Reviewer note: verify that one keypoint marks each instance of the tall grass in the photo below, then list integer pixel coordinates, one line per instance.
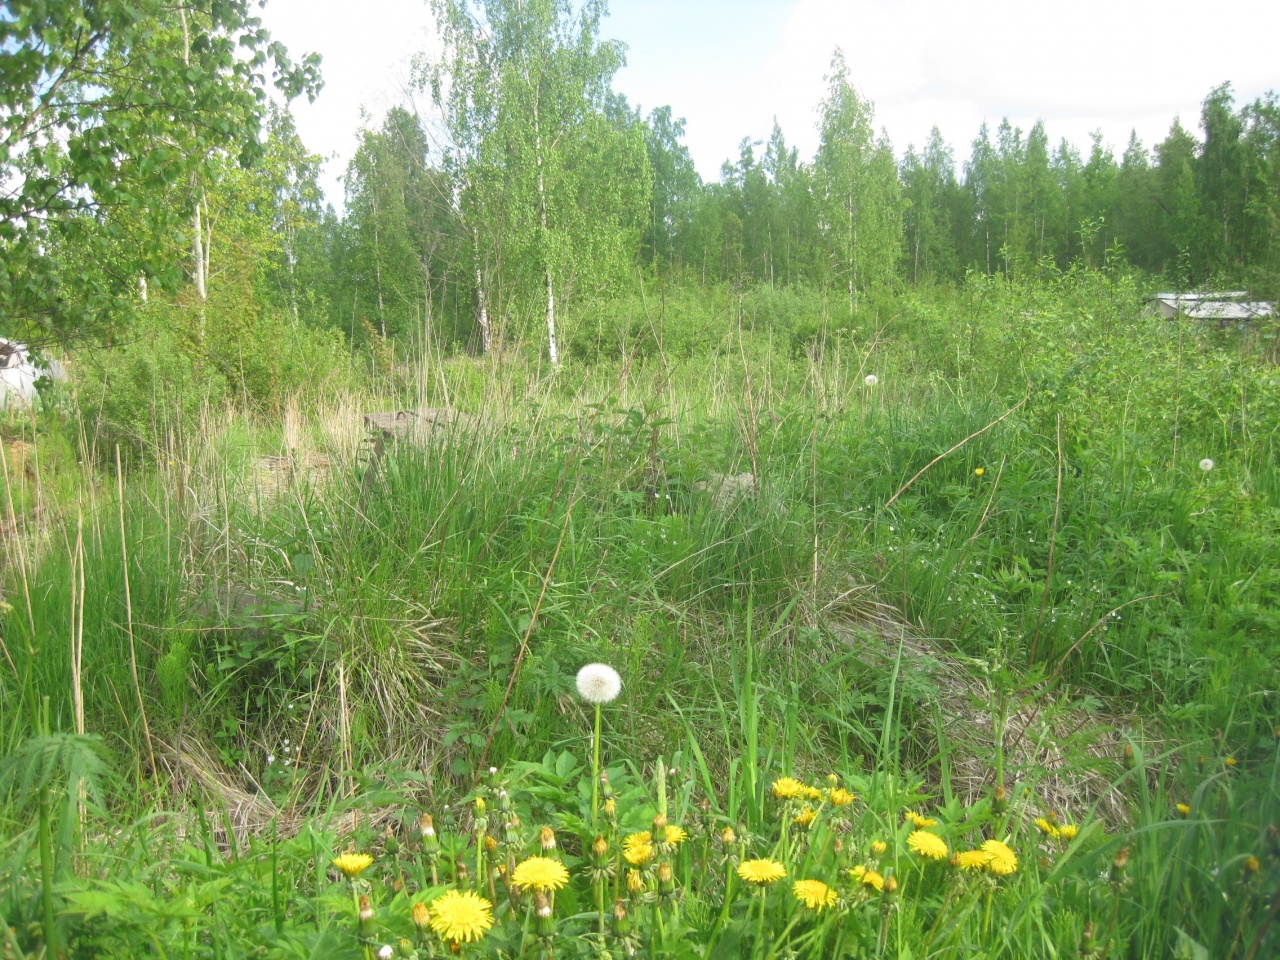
(301, 636)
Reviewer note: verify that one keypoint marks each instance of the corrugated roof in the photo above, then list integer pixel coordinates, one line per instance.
(1213, 306)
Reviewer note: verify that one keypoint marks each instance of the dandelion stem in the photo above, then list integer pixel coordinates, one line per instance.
(759, 928)
(595, 778)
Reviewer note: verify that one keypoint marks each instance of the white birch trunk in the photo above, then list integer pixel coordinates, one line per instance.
(552, 350)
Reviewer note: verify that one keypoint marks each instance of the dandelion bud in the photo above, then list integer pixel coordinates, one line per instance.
(1119, 865)
(405, 948)
(421, 915)
(462, 874)
(838, 846)
(1200, 762)
(999, 799)
(1129, 761)
(635, 882)
(878, 848)
(547, 839)
(666, 879)
(1251, 867)
(490, 844)
(1230, 762)
(542, 910)
(504, 801)
(621, 920)
(659, 824)
(729, 838)
(600, 847)
(366, 909)
(390, 843)
(1087, 947)
(511, 830)
(480, 806)
(430, 842)
(889, 893)
(386, 952)
(610, 809)
(833, 781)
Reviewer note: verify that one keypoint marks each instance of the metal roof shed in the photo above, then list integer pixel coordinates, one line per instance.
(1226, 307)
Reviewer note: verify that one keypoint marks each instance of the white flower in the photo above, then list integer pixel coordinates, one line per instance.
(598, 683)
(385, 952)
(871, 380)
(1206, 464)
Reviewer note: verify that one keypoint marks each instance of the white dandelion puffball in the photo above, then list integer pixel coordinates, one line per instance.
(871, 380)
(598, 683)
(1206, 464)
(386, 953)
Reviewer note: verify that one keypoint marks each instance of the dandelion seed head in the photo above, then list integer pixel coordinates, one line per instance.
(870, 379)
(1206, 464)
(598, 683)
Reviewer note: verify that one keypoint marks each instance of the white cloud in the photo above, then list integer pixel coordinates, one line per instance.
(366, 57)
(1093, 64)
(731, 66)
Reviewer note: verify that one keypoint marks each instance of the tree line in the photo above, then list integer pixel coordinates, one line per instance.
(151, 168)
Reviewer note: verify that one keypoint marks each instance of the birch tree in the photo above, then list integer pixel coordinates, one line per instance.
(551, 183)
(858, 190)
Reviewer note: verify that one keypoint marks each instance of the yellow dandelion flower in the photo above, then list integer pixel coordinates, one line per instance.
(638, 848)
(1068, 831)
(635, 882)
(878, 848)
(812, 793)
(676, 834)
(980, 471)
(972, 859)
(788, 788)
(460, 917)
(928, 845)
(1184, 810)
(1002, 860)
(540, 873)
(353, 864)
(840, 797)
(918, 821)
(872, 880)
(814, 894)
(806, 816)
(761, 873)
(1230, 761)
(1047, 828)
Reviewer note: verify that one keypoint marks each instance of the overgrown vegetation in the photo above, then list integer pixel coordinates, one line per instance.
(307, 677)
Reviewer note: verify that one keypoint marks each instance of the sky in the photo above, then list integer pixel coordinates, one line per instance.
(731, 67)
